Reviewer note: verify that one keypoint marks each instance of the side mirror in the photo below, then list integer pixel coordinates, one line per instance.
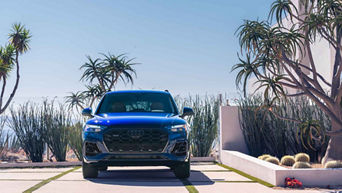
(187, 111)
(87, 112)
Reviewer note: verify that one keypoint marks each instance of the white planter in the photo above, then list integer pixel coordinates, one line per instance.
(276, 175)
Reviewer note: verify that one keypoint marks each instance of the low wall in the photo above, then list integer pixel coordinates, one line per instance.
(276, 175)
(231, 137)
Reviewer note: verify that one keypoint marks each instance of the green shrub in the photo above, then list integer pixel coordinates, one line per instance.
(56, 123)
(287, 160)
(27, 123)
(266, 133)
(264, 156)
(302, 157)
(333, 164)
(301, 165)
(75, 139)
(203, 124)
(273, 160)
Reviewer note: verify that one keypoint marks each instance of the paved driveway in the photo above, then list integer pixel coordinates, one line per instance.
(207, 178)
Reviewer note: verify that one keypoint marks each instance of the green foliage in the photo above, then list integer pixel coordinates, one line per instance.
(4, 138)
(333, 164)
(301, 165)
(27, 123)
(56, 123)
(19, 39)
(273, 160)
(203, 124)
(265, 132)
(264, 156)
(287, 160)
(101, 75)
(75, 139)
(302, 157)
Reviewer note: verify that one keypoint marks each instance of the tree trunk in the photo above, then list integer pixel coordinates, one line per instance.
(334, 150)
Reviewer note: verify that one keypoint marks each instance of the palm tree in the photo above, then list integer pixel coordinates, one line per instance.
(75, 100)
(94, 71)
(118, 67)
(273, 64)
(6, 66)
(19, 39)
(92, 93)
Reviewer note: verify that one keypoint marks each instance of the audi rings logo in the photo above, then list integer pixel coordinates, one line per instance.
(135, 134)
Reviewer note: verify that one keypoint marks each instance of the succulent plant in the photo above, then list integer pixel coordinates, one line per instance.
(333, 164)
(273, 160)
(287, 160)
(302, 157)
(301, 165)
(264, 156)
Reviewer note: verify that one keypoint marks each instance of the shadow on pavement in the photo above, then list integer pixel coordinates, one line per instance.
(157, 177)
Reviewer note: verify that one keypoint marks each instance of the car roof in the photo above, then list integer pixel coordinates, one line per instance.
(138, 91)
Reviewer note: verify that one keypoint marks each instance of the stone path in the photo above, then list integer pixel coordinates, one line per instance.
(207, 178)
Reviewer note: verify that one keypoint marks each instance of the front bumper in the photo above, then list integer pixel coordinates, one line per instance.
(167, 157)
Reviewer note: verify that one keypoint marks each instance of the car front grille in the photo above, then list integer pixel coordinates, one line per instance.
(135, 140)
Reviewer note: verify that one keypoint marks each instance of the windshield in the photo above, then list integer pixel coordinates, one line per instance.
(137, 102)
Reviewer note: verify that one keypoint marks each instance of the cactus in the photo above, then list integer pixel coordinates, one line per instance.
(287, 160)
(333, 164)
(264, 156)
(302, 157)
(273, 160)
(301, 165)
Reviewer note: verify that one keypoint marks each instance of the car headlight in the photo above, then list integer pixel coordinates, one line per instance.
(178, 128)
(93, 128)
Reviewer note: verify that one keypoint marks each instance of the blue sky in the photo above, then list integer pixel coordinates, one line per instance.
(187, 47)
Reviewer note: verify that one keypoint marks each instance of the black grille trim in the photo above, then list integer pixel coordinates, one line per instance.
(135, 140)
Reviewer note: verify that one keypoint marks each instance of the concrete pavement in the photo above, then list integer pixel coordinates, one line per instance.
(207, 178)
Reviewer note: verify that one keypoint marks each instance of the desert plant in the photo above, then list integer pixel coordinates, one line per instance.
(27, 123)
(75, 139)
(19, 39)
(56, 123)
(273, 160)
(203, 124)
(301, 165)
(302, 157)
(266, 133)
(287, 160)
(279, 56)
(333, 164)
(264, 156)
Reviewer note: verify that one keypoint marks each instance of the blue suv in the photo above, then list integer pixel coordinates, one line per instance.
(136, 128)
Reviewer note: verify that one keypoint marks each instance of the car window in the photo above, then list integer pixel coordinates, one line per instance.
(136, 102)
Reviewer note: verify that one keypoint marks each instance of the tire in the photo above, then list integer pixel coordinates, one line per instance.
(182, 170)
(89, 171)
(102, 168)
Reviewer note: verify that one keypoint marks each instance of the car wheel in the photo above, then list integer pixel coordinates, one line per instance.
(182, 170)
(89, 171)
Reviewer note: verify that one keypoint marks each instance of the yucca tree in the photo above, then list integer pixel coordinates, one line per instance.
(272, 51)
(19, 39)
(75, 100)
(101, 76)
(118, 67)
(93, 70)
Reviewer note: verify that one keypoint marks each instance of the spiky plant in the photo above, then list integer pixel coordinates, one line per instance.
(27, 123)
(287, 160)
(273, 160)
(75, 138)
(302, 157)
(301, 165)
(56, 123)
(264, 156)
(333, 164)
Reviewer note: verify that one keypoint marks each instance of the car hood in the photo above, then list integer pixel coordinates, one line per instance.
(138, 119)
